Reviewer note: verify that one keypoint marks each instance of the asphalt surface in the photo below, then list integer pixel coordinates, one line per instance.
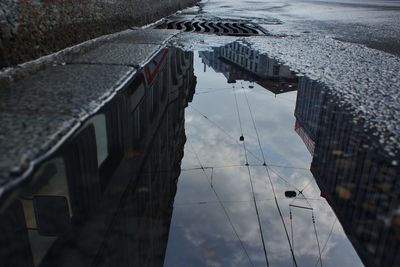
(38, 111)
(373, 23)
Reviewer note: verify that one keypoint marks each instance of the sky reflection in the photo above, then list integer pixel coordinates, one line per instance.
(201, 233)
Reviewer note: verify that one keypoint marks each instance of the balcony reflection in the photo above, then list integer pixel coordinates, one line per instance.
(105, 198)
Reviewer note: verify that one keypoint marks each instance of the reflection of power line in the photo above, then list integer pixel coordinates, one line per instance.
(312, 218)
(221, 203)
(253, 165)
(268, 169)
(234, 201)
(254, 125)
(270, 180)
(329, 236)
(316, 236)
(210, 90)
(246, 150)
(251, 181)
(283, 179)
(222, 129)
(237, 142)
(314, 226)
(213, 89)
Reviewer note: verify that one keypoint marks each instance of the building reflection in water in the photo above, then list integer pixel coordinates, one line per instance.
(236, 61)
(105, 198)
(360, 182)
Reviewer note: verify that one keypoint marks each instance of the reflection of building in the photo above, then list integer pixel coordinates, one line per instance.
(356, 177)
(105, 197)
(237, 61)
(309, 103)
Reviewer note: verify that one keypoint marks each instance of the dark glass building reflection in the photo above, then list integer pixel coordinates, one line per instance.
(105, 198)
(356, 176)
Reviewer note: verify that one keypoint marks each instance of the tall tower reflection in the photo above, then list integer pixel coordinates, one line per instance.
(105, 198)
(356, 176)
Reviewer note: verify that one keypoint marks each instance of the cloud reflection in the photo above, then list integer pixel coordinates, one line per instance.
(200, 233)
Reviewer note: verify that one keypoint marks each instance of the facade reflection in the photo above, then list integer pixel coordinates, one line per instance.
(236, 61)
(105, 197)
(359, 181)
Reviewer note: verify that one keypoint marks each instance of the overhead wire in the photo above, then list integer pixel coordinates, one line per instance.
(283, 179)
(223, 130)
(270, 180)
(221, 204)
(313, 221)
(316, 236)
(234, 139)
(267, 167)
(326, 242)
(254, 125)
(291, 228)
(291, 244)
(237, 111)
(210, 91)
(225, 201)
(251, 183)
(240, 165)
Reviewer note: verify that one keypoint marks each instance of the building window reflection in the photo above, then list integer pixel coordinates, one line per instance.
(53, 182)
(105, 191)
(100, 128)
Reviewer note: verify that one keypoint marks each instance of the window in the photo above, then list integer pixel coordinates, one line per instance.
(99, 123)
(136, 123)
(51, 180)
(276, 70)
(139, 123)
(164, 84)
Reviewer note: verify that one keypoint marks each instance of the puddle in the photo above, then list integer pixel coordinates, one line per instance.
(171, 173)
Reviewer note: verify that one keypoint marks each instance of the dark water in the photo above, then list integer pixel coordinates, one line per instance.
(199, 166)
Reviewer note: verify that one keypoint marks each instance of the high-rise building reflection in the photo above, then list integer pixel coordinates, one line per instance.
(356, 176)
(105, 197)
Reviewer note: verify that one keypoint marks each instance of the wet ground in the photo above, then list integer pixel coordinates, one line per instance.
(221, 155)
(373, 23)
(207, 162)
(215, 222)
